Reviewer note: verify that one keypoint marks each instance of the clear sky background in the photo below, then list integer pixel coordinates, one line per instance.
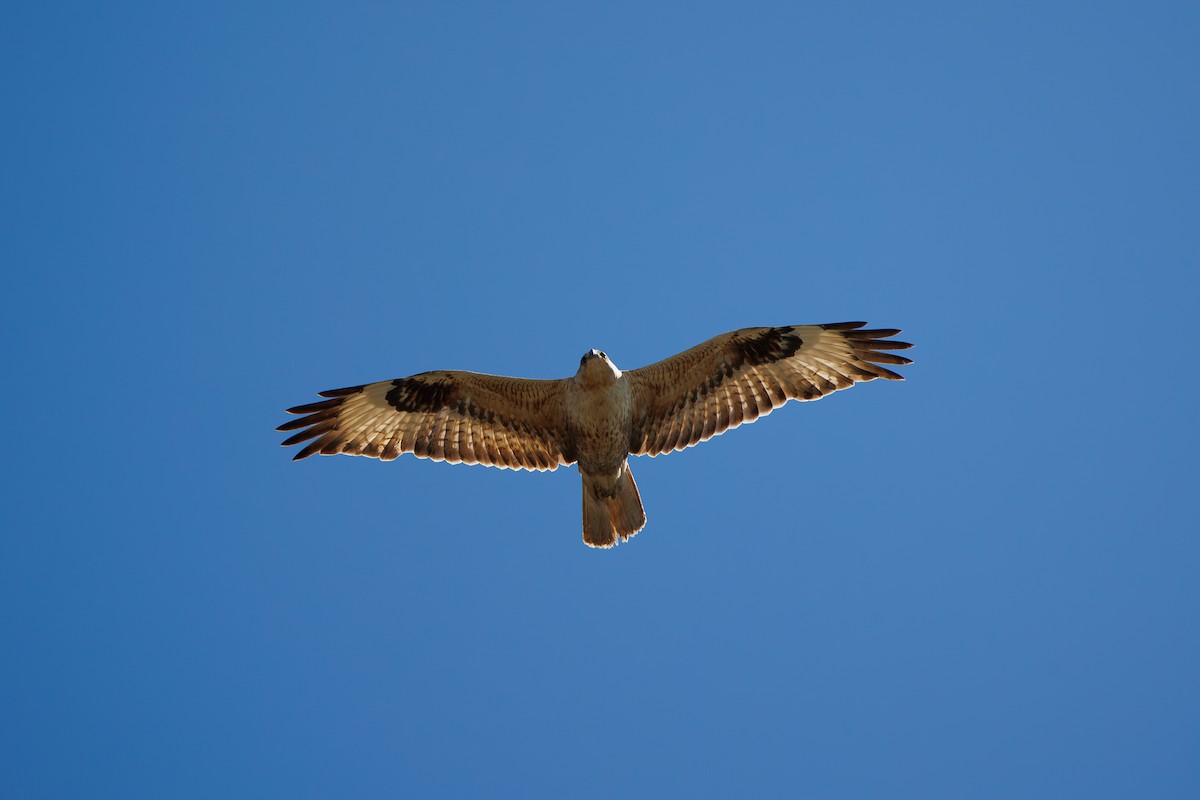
(978, 583)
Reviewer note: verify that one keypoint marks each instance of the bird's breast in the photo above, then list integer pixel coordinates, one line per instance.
(600, 420)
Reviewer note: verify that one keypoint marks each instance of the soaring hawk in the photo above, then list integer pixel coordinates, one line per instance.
(599, 416)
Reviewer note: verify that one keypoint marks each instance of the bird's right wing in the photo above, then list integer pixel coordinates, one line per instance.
(740, 376)
(460, 417)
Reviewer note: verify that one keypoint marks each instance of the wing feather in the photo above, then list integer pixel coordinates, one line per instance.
(450, 416)
(740, 376)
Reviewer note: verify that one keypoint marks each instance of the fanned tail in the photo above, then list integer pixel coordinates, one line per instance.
(608, 515)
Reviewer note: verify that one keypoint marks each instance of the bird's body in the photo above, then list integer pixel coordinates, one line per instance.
(599, 402)
(601, 415)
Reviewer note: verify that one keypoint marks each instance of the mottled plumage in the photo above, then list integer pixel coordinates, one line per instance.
(601, 415)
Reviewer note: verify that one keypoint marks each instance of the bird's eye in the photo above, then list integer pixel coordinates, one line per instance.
(602, 355)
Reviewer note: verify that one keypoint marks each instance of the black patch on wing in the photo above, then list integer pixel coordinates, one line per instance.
(417, 394)
(771, 345)
(429, 395)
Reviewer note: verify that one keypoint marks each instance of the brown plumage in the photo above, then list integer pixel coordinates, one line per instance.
(601, 415)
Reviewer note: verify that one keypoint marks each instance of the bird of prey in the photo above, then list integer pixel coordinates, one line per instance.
(601, 415)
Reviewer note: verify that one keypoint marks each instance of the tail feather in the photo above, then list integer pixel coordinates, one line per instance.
(608, 516)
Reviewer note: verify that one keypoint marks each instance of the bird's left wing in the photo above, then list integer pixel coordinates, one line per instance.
(460, 417)
(739, 376)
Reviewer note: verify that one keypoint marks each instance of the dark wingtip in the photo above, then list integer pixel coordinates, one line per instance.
(873, 333)
(886, 373)
(341, 392)
(842, 326)
(312, 408)
(319, 429)
(888, 344)
(310, 448)
(886, 358)
(320, 418)
(294, 424)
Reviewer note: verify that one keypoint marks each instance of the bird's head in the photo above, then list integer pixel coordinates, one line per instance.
(595, 368)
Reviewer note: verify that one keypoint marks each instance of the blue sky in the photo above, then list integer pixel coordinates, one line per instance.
(978, 583)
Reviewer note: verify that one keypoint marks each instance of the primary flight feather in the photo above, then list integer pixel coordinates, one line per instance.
(601, 415)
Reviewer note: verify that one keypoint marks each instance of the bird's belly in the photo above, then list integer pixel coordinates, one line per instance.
(601, 422)
(602, 451)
